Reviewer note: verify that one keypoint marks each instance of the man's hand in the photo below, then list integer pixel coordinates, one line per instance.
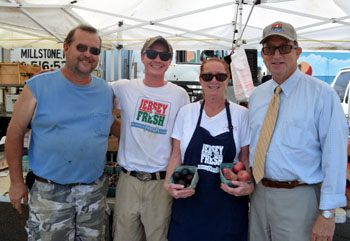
(17, 193)
(323, 229)
(242, 188)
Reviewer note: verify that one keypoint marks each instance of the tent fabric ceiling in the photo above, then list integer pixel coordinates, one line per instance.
(188, 24)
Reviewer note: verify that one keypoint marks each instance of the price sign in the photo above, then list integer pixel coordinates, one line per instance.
(45, 58)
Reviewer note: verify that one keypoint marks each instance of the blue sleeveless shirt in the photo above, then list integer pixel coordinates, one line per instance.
(70, 128)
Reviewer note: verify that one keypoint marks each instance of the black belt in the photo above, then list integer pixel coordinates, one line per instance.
(40, 179)
(146, 176)
(286, 184)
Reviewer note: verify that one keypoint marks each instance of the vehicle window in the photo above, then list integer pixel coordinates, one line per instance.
(197, 56)
(341, 84)
(187, 57)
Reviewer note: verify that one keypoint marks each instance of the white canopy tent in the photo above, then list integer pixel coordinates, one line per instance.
(188, 24)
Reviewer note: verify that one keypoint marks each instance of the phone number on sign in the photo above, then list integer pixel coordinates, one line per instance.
(56, 64)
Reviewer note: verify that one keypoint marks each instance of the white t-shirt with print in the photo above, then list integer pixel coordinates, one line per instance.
(147, 116)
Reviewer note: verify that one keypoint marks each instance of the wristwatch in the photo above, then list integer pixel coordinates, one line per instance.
(328, 214)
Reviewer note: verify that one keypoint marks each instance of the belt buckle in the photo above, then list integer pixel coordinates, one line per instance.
(143, 176)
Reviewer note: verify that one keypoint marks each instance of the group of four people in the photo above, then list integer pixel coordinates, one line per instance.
(70, 113)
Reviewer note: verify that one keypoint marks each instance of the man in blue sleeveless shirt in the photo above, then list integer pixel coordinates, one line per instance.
(70, 113)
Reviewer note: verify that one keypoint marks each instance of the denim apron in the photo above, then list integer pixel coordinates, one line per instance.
(210, 214)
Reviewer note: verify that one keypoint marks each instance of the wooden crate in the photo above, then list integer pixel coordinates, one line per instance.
(9, 73)
(16, 73)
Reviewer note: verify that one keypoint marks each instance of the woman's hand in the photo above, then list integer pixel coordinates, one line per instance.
(242, 188)
(177, 190)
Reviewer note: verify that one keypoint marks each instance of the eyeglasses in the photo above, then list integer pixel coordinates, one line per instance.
(284, 49)
(152, 54)
(219, 77)
(93, 50)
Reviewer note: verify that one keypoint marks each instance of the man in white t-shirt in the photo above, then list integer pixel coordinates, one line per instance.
(148, 109)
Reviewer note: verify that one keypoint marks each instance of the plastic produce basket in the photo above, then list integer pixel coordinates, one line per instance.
(222, 178)
(193, 170)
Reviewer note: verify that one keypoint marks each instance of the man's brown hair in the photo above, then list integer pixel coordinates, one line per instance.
(83, 27)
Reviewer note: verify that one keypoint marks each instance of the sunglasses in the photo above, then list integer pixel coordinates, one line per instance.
(284, 49)
(219, 77)
(152, 54)
(93, 50)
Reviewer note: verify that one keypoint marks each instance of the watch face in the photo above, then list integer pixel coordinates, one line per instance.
(328, 214)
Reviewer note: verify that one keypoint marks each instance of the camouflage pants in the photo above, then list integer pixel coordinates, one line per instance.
(62, 213)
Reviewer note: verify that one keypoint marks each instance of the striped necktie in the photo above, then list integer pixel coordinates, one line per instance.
(265, 136)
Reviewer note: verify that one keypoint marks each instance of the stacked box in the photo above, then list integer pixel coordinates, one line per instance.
(16, 73)
(28, 71)
(113, 171)
(113, 144)
(9, 73)
(25, 164)
(10, 101)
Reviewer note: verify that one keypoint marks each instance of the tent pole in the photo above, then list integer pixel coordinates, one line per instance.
(38, 23)
(112, 64)
(119, 64)
(240, 13)
(235, 25)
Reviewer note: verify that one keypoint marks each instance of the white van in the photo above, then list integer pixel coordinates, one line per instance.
(342, 87)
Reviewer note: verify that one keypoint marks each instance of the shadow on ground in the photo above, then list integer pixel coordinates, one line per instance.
(12, 225)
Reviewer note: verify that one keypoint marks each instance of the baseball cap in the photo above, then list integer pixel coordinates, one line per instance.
(157, 39)
(279, 28)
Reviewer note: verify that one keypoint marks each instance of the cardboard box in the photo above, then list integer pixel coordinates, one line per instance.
(113, 144)
(10, 101)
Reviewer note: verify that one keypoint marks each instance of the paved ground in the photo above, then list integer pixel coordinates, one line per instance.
(12, 225)
(342, 231)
